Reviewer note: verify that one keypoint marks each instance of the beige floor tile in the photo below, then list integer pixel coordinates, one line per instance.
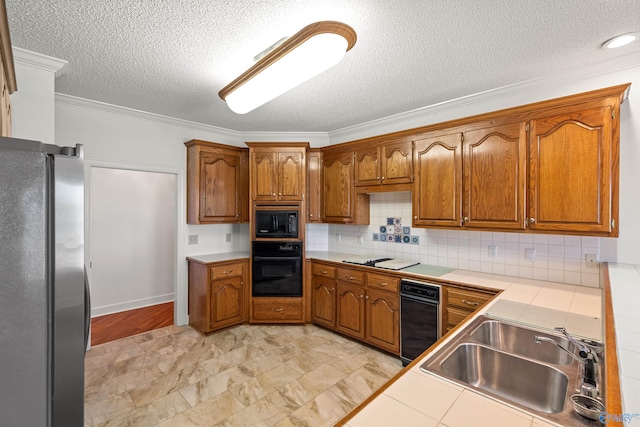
(323, 410)
(144, 393)
(99, 412)
(207, 413)
(320, 379)
(151, 414)
(259, 414)
(214, 385)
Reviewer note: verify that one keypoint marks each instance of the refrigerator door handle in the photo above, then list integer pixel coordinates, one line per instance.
(87, 311)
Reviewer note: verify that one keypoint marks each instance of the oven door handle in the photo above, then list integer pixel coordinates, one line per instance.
(276, 258)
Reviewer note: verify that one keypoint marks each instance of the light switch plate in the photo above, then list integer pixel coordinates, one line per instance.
(530, 254)
(193, 239)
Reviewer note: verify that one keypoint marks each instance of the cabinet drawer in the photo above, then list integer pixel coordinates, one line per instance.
(324, 271)
(383, 282)
(274, 310)
(351, 276)
(464, 299)
(227, 270)
(456, 315)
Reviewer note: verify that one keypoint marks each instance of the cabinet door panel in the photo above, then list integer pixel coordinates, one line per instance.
(437, 194)
(575, 198)
(219, 181)
(383, 320)
(263, 175)
(397, 163)
(367, 167)
(313, 186)
(337, 187)
(350, 313)
(494, 177)
(227, 301)
(324, 302)
(291, 169)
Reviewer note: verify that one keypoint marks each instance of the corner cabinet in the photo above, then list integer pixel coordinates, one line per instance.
(217, 183)
(218, 294)
(340, 203)
(278, 173)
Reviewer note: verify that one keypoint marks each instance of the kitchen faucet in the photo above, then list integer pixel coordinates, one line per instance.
(588, 361)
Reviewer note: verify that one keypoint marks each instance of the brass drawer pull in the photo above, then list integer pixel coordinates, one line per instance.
(473, 303)
(382, 283)
(278, 309)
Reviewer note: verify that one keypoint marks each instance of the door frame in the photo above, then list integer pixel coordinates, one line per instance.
(180, 316)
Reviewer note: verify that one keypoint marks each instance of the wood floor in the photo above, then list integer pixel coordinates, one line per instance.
(132, 322)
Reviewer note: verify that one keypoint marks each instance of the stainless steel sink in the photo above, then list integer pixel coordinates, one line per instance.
(520, 340)
(501, 360)
(536, 386)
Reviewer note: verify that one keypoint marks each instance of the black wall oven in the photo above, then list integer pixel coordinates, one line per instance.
(277, 269)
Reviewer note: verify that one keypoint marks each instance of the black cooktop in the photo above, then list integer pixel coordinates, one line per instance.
(369, 263)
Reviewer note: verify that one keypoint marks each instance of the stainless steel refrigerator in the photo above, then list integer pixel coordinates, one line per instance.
(44, 306)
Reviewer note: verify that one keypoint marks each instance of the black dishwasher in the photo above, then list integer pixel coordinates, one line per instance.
(420, 318)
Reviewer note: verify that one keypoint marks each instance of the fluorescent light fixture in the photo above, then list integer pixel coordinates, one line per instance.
(312, 50)
(620, 41)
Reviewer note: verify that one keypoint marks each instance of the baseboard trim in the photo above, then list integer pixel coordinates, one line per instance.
(131, 305)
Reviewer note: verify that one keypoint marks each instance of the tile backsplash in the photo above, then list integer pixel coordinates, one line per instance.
(555, 258)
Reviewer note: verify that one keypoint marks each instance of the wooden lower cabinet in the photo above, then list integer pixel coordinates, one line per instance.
(364, 306)
(461, 303)
(383, 320)
(350, 310)
(277, 310)
(217, 294)
(323, 308)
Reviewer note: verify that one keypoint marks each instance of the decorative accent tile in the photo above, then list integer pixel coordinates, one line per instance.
(415, 240)
(390, 221)
(383, 229)
(390, 237)
(398, 231)
(398, 221)
(406, 239)
(398, 238)
(406, 230)
(376, 237)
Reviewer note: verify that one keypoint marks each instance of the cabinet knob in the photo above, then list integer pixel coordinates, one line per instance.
(273, 194)
(333, 289)
(278, 309)
(465, 219)
(279, 194)
(361, 296)
(311, 215)
(383, 178)
(377, 177)
(415, 217)
(367, 297)
(532, 220)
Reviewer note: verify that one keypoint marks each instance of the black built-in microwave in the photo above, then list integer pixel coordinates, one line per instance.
(276, 223)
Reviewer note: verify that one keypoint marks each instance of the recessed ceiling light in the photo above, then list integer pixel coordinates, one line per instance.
(620, 41)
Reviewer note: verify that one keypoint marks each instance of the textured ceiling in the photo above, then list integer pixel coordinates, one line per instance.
(171, 57)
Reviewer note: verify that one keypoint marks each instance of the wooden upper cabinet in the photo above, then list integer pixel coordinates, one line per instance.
(397, 162)
(277, 173)
(314, 161)
(494, 177)
(216, 187)
(367, 166)
(437, 195)
(387, 164)
(263, 173)
(337, 187)
(573, 163)
(7, 73)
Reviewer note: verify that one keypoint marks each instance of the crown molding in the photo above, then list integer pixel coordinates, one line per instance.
(38, 60)
(89, 104)
(317, 139)
(521, 93)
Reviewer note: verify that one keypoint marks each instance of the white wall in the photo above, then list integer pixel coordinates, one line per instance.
(33, 104)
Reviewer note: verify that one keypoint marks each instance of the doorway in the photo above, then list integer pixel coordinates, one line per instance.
(133, 238)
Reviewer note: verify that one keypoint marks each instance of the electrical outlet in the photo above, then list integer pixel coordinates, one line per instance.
(493, 251)
(193, 239)
(227, 238)
(361, 239)
(530, 254)
(338, 237)
(591, 260)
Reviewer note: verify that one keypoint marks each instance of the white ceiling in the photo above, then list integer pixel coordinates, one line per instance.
(171, 57)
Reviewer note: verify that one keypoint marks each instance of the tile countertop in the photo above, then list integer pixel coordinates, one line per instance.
(205, 259)
(419, 398)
